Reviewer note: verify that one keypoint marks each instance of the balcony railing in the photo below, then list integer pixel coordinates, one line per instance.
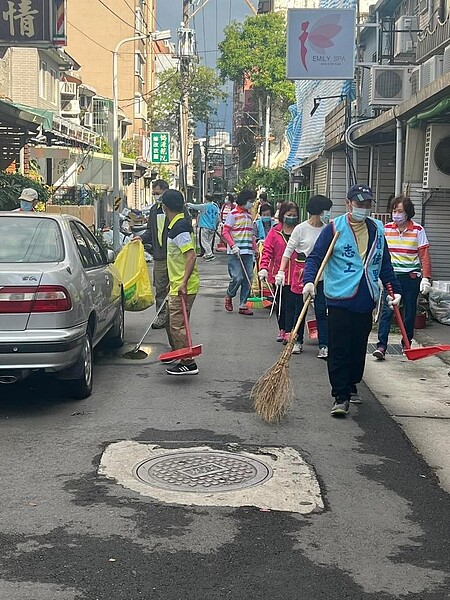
(68, 89)
(433, 40)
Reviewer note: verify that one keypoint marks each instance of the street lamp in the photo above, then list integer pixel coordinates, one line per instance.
(154, 37)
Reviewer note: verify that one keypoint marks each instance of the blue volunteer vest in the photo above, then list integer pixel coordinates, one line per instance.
(345, 268)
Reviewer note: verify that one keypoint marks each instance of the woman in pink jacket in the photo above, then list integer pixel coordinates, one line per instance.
(290, 293)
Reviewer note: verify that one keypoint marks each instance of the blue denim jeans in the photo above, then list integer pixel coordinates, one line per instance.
(320, 309)
(410, 293)
(238, 278)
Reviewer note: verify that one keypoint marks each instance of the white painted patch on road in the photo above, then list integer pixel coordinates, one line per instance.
(293, 486)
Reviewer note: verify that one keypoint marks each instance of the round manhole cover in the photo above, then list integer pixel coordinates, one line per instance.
(203, 472)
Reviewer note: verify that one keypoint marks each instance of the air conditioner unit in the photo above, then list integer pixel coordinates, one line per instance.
(430, 70)
(436, 166)
(68, 88)
(415, 80)
(406, 29)
(88, 119)
(389, 85)
(446, 61)
(71, 108)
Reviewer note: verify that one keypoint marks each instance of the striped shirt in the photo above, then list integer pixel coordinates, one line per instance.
(404, 246)
(240, 226)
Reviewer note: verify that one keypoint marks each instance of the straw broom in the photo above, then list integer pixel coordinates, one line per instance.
(273, 393)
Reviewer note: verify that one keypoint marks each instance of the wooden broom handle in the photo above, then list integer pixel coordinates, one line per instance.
(316, 282)
(398, 316)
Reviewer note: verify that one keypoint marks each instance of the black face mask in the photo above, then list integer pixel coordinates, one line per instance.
(290, 220)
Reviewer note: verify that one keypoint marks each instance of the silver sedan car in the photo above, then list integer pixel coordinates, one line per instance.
(60, 296)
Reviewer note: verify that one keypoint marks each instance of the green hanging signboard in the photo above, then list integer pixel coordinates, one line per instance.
(160, 147)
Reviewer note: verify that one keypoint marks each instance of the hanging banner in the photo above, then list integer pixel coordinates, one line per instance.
(32, 23)
(321, 43)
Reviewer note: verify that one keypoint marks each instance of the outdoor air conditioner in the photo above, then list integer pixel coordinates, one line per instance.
(415, 80)
(430, 70)
(446, 61)
(436, 166)
(406, 29)
(71, 108)
(88, 119)
(68, 88)
(389, 85)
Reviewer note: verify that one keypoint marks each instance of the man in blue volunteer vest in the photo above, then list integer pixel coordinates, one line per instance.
(359, 259)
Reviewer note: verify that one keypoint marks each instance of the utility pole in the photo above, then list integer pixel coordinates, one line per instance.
(206, 190)
(184, 53)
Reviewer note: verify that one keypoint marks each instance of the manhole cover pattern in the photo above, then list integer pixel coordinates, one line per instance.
(203, 472)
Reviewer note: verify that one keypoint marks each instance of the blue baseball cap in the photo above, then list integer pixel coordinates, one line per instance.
(360, 193)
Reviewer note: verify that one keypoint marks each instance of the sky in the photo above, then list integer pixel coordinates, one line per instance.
(209, 25)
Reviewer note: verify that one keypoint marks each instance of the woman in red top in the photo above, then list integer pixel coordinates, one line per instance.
(274, 247)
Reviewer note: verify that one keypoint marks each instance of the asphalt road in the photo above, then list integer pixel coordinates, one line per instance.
(383, 533)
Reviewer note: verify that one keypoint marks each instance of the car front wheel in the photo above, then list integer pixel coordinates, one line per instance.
(81, 387)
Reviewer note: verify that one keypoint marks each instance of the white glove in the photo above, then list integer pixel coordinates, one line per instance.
(309, 290)
(263, 274)
(425, 286)
(235, 250)
(280, 278)
(393, 301)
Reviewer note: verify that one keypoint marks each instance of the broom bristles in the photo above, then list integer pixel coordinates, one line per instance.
(272, 394)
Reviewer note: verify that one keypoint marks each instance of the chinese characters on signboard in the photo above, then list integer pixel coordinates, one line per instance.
(32, 23)
(321, 43)
(160, 147)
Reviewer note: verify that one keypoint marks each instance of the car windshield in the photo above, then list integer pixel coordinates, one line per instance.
(30, 240)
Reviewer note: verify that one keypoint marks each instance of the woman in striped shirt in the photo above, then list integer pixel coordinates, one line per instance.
(409, 250)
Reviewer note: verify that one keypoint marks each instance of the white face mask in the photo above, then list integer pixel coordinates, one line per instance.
(360, 214)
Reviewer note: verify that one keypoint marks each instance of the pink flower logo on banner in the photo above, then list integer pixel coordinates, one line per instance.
(319, 39)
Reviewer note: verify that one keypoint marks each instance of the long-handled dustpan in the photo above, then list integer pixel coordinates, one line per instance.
(413, 353)
(183, 353)
(160, 309)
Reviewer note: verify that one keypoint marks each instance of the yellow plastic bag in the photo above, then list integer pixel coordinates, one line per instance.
(130, 263)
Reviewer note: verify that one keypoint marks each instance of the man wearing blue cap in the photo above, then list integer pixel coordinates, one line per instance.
(359, 258)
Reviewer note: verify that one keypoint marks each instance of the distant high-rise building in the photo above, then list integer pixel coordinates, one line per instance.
(94, 29)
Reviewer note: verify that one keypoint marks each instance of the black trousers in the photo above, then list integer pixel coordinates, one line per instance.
(348, 333)
(291, 305)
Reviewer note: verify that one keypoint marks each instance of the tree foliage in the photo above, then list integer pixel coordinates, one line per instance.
(276, 181)
(11, 186)
(256, 50)
(205, 91)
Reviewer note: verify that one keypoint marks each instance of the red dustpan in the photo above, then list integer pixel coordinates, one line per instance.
(191, 350)
(413, 353)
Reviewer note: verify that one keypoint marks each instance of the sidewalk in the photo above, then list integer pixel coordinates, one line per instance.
(416, 394)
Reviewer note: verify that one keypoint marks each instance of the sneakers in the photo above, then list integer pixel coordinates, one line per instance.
(340, 408)
(323, 353)
(297, 349)
(243, 310)
(181, 369)
(280, 336)
(379, 353)
(228, 304)
(160, 322)
(287, 335)
(209, 258)
(355, 398)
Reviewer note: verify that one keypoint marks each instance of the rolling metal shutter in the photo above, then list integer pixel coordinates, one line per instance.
(321, 177)
(436, 220)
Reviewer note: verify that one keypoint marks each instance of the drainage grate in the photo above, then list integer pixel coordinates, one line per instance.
(394, 349)
(203, 471)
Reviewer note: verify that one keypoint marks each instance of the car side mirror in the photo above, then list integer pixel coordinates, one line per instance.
(110, 256)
